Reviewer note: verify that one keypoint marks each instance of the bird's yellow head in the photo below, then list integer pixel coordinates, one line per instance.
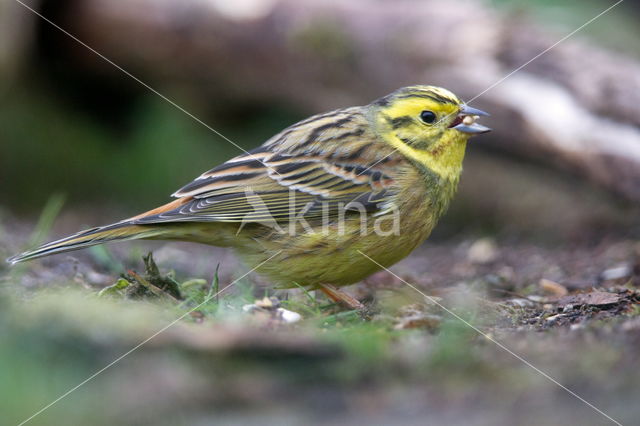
(428, 124)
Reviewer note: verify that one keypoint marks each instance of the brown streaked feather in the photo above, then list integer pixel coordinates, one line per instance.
(312, 162)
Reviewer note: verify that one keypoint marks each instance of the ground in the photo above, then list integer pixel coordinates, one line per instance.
(507, 330)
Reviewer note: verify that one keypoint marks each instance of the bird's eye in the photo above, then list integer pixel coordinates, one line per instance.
(428, 116)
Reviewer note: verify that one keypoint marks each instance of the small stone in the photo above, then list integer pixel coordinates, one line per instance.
(622, 271)
(522, 303)
(268, 311)
(288, 316)
(483, 251)
(267, 303)
(552, 288)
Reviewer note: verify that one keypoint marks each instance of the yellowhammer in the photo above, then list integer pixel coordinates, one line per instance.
(370, 179)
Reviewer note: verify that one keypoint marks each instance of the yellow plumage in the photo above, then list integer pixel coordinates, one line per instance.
(373, 179)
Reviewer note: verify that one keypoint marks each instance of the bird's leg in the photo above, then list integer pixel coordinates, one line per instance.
(341, 297)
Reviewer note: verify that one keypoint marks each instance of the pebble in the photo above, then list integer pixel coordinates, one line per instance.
(552, 287)
(622, 271)
(271, 307)
(482, 251)
(523, 303)
(289, 316)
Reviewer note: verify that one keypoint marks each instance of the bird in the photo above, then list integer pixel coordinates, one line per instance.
(326, 202)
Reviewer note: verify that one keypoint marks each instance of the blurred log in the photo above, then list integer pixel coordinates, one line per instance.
(577, 107)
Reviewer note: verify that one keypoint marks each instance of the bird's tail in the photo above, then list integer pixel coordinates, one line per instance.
(116, 232)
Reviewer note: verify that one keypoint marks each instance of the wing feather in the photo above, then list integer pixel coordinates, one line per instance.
(318, 166)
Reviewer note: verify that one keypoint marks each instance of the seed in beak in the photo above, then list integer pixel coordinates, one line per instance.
(468, 120)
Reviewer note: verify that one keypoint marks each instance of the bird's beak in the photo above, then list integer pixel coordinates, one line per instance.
(466, 121)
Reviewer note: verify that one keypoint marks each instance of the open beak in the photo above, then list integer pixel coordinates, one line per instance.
(466, 121)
